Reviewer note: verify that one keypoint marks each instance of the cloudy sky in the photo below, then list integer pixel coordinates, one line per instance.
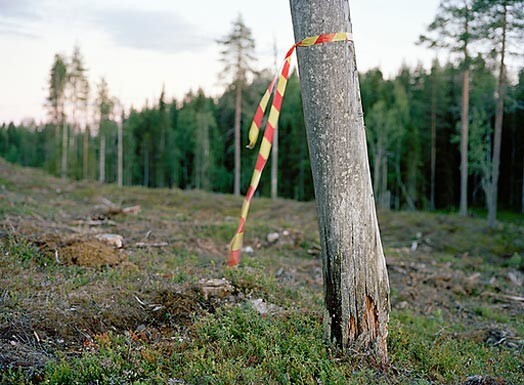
(138, 45)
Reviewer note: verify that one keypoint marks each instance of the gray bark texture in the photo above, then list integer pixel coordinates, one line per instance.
(356, 286)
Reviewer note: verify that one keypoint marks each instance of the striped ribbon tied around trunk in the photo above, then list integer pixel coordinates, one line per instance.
(235, 246)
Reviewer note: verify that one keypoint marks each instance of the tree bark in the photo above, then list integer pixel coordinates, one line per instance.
(238, 113)
(499, 113)
(356, 287)
(464, 144)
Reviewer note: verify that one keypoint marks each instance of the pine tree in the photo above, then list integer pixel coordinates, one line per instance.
(237, 57)
(502, 22)
(56, 101)
(78, 87)
(452, 30)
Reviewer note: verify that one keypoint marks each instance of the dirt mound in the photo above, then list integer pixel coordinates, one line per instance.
(178, 307)
(90, 254)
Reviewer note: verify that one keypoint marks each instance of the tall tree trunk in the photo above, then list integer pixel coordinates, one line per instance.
(85, 154)
(120, 166)
(238, 113)
(464, 144)
(433, 141)
(64, 149)
(102, 164)
(356, 287)
(499, 113)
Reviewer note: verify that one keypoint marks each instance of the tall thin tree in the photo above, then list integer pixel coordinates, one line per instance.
(433, 160)
(56, 100)
(78, 98)
(237, 57)
(501, 21)
(356, 287)
(451, 29)
(105, 106)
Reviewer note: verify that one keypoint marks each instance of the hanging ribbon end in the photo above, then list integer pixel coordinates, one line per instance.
(235, 248)
(253, 134)
(234, 258)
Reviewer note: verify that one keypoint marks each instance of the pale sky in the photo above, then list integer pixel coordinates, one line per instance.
(140, 45)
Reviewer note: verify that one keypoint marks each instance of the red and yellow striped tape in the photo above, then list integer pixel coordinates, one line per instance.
(235, 246)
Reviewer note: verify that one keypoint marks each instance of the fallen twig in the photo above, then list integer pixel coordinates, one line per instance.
(94, 222)
(151, 244)
(131, 209)
(504, 297)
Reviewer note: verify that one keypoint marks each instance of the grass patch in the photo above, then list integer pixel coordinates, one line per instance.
(435, 350)
(144, 321)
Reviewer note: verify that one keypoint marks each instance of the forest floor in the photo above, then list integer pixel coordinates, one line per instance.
(164, 308)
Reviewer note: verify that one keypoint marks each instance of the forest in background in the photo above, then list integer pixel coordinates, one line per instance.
(412, 120)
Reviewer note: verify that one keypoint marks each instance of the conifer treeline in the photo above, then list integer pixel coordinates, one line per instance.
(190, 144)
